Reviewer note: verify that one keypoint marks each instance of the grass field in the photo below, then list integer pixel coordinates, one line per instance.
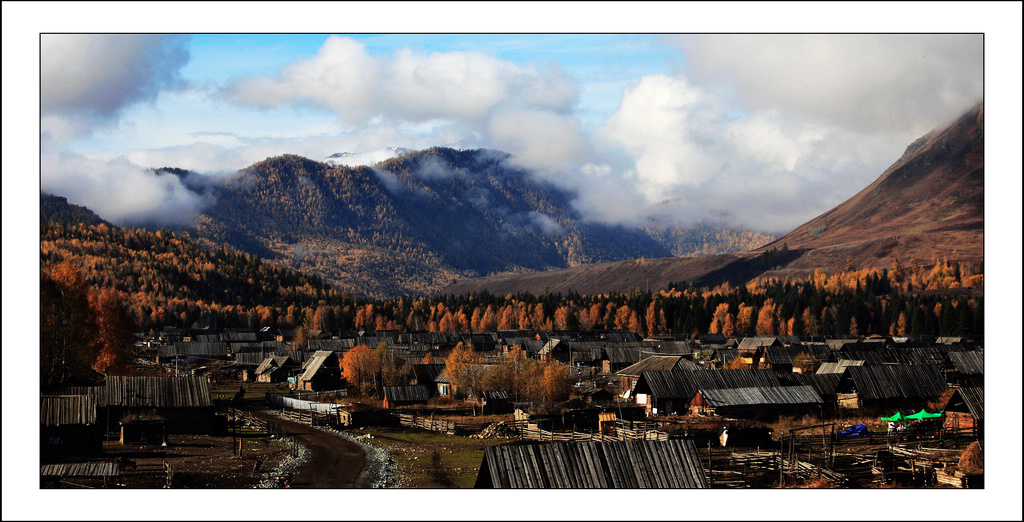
(432, 460)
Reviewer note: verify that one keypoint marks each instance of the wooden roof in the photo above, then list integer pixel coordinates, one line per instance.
(968, 363)
(786, 354)
(767, 396)
(315, 363)
(969, 398)
(274, 362)
(586, 465)
(62, 410)
(654, 363)
(80, 469)
(824, 384)
(683, 384)
(406, 393)
(195, 348)
(897, 381)
(838, 367)
(188, 391)
(753, 343)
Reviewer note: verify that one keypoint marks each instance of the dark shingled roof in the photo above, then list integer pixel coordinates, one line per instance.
(683, 384)
(587, 465)
(654, 363)
(154, 391)
(62, 410)
(824, 384)
(897, 381)
(769, 396)
(406, 393)
(971, 398)
(968, 363)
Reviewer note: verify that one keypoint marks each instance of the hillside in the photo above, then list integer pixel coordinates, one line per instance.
(927, 206)
(931, 202)
(165, 279)
(411, 224)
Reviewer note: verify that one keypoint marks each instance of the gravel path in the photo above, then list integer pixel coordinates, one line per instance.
(330, 461)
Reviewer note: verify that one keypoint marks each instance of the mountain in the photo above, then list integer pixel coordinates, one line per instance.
(927, 207)
(58, 210)
(411, 224)
(931, 202)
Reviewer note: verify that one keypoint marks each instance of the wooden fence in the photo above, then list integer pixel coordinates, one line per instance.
(624, 430)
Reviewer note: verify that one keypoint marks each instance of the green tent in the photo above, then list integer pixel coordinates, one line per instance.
(924, 415)
(895, 418)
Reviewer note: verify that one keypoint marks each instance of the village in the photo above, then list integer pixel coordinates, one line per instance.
(623, 412)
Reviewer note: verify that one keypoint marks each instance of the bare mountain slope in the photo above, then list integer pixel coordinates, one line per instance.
(929, 203)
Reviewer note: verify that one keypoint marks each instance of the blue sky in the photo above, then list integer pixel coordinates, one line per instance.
(725, 128)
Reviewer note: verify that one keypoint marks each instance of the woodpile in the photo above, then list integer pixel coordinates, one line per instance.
(498, 430)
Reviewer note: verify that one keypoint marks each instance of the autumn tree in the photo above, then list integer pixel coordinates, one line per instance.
(360, 367)
(463, 370)
(68, 330)
(116, 341)
(556, 382)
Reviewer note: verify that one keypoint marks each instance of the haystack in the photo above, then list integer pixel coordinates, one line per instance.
(972, 458)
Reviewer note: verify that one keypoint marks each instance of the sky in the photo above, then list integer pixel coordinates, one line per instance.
(763, 131)
(761, 115)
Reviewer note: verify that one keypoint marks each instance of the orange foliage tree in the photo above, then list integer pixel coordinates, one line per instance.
(359, 366)
(463, 370)
(117, 352)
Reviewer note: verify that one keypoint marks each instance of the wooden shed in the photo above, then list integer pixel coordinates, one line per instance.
(586, 465)
(68, 426)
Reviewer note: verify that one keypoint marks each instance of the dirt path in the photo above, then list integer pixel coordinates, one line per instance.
(333, 461)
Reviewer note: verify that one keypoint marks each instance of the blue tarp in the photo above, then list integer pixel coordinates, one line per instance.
(857, 430)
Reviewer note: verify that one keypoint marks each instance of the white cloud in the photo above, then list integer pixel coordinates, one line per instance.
(118, 190)
(539, 139)
(861, 82)
(87, 79)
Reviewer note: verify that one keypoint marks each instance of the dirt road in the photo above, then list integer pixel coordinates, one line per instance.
(333, 461)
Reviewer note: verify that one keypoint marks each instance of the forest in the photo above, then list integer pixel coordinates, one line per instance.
(164, 280)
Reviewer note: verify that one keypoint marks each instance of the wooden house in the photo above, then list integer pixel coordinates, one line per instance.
(670, 392)
(880, 389)
(395, 396)
(656, 363)
(763, 403)
(426, 375)
(781, 358)
(671, 464)
(277, 368)
(321, 372)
